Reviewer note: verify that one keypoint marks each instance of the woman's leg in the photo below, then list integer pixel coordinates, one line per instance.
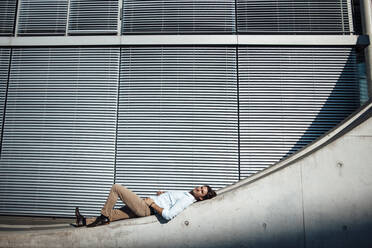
(122, 213)
(137, 205)
(116, 214)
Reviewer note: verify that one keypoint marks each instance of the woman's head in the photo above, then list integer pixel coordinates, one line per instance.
(203, 193)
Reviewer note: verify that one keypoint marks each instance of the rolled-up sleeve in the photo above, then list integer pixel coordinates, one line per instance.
(177, 208)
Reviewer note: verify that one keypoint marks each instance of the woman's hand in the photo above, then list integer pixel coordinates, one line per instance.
(148, 201)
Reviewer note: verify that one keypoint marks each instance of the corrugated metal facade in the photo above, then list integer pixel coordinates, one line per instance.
(42, 17)
(178, 118)
(178, 16)
(93, 17)
(7, 15)
(58, 146)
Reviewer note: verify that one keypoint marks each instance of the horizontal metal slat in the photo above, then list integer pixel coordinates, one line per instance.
(4, 67)
(93, 17)
(181, 16)
(7, 15)
(294, 16)
(42, 17)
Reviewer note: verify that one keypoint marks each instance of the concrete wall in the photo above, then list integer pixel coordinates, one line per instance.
(319, 197)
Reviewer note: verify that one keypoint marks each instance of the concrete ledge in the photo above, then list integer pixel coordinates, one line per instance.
(129, 40)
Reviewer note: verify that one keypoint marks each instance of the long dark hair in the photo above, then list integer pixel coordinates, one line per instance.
(211, 193)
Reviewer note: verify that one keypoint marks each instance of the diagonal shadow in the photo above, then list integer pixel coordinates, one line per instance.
(343, 100)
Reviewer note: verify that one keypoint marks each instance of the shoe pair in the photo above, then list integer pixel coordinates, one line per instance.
(82, 221)
(101, 220)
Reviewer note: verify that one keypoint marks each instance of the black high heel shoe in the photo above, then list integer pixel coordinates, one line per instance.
(80, 219)
(100, 220)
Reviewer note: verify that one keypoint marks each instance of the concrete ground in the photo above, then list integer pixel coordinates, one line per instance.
(23, 223)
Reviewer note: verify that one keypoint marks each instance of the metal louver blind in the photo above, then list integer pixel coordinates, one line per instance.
(292, 16)
(178, 16)
(93, 16)
(4, 67)
(42, 17)
(59, 136)
(289, 96)
(7, 15)
(177, 123)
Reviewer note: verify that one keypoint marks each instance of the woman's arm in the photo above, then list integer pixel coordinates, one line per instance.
(150, 202)
(158, 209)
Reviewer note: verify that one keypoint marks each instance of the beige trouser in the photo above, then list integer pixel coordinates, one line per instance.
(135, 206)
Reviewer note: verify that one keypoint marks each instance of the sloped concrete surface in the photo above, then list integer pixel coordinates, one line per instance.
(319, 197)
(25, 223)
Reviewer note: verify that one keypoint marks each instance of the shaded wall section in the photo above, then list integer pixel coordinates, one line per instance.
(289, 96)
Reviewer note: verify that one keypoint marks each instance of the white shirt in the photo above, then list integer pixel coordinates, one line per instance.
(173, 202)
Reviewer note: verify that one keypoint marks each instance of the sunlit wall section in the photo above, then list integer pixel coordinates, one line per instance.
(178, 117)
(289, 96)
(58, 146)
(178, 16)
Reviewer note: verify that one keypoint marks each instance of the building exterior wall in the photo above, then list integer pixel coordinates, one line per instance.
(77, 118)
